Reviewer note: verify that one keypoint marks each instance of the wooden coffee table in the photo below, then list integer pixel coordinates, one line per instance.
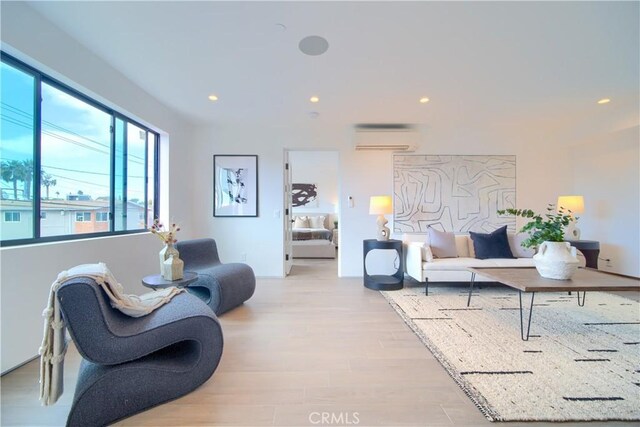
(527, 279)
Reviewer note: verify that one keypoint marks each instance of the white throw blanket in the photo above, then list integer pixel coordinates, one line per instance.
(54, 345)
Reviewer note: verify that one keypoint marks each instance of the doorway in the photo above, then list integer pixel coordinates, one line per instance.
(312, 199)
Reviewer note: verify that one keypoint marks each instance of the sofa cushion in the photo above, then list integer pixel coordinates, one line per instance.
(462, 245)
(461, 264)
(515, 262)
(515, 242)
(443, 243)
(455, 264)
(491, 245)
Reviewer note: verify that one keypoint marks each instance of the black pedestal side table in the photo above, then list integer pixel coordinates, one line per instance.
(156, 281)
(383, 282)
(590, 249)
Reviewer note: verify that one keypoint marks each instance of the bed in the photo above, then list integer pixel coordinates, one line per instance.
(312, 236)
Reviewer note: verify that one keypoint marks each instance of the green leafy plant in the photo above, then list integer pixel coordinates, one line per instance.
(549, 227)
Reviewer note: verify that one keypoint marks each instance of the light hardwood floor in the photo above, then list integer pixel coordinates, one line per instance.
(302, 346)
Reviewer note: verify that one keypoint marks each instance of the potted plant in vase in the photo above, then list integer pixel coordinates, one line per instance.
(555, 258)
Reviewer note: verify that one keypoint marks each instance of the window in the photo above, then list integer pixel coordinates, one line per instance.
(83, 216)
(12, 217)
(70, 153)
(17, 93)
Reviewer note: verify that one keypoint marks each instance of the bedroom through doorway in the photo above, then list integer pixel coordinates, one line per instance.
(314, 212)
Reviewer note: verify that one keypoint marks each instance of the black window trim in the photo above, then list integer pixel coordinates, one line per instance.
(40, 78)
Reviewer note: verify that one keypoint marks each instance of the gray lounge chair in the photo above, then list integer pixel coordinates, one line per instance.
(221, 286)
(133, 364)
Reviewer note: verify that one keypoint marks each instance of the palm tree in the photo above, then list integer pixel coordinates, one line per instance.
(26, 174)
(11, 172)
(48, 181)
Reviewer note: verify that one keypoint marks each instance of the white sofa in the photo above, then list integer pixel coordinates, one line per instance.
(455, 269)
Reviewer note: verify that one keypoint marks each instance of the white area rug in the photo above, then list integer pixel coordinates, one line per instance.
(580, 363)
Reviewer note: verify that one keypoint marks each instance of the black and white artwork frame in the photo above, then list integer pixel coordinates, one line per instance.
(458, 193)
(235, 185)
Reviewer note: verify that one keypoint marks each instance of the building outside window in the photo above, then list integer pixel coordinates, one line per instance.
(70, 154)
(83, 216)
(12, 217)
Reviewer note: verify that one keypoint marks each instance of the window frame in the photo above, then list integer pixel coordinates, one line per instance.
(84, 216)
(40, 78)
(102, 214)
(12, 216)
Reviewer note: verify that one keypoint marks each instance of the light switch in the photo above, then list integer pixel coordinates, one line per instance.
(276, 213)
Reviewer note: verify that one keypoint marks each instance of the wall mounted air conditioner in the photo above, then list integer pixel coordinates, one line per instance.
(392, 137)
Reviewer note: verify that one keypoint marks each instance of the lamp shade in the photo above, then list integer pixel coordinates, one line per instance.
(575, 204)
(380, 205)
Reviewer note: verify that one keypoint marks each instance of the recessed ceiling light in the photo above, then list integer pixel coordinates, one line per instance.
(314, 114)
(213, 98)
(314, 99)
(281, 27)
(604, 101)
(424, 100)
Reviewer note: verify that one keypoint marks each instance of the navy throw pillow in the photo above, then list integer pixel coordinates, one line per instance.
(492, 245)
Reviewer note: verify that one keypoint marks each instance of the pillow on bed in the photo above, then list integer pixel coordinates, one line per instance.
(316, 221)
(301, 222)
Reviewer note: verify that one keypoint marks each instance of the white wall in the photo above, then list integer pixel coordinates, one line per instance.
(606, 171)
(541, 175)
(27, 272)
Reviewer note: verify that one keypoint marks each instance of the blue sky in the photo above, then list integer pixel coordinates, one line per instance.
(75, 138)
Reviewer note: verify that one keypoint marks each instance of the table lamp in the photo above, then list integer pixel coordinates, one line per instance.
(381, 205)
(575, 204)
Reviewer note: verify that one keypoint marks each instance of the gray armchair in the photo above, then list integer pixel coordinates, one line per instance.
(133, 364)
(221, 286)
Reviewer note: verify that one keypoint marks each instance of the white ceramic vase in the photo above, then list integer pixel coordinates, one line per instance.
(168, 251)
(556, 260)
(173, 268)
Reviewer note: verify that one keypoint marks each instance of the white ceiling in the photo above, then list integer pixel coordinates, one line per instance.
(478, 62)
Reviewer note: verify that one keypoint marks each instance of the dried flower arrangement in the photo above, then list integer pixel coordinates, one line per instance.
(168, 236)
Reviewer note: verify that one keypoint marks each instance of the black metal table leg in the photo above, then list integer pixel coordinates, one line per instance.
(522, 335)
(584, 295)
(426, 287)
(473, 279)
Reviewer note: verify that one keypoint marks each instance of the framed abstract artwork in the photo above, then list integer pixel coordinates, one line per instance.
(453, 192)
(304, 195)
(235, 185)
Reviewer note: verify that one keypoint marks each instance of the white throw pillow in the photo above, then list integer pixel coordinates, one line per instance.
(316, 221)
(301, 222)
(427, 255)
(515, 242)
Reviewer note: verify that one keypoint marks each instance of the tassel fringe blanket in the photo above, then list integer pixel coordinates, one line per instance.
(54, 345)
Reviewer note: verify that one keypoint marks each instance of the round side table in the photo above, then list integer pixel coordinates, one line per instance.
(156, 281)
(381, 282)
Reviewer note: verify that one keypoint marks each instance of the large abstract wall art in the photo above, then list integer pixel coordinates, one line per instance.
(235, 185)
(453, 193)
(304, 195)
